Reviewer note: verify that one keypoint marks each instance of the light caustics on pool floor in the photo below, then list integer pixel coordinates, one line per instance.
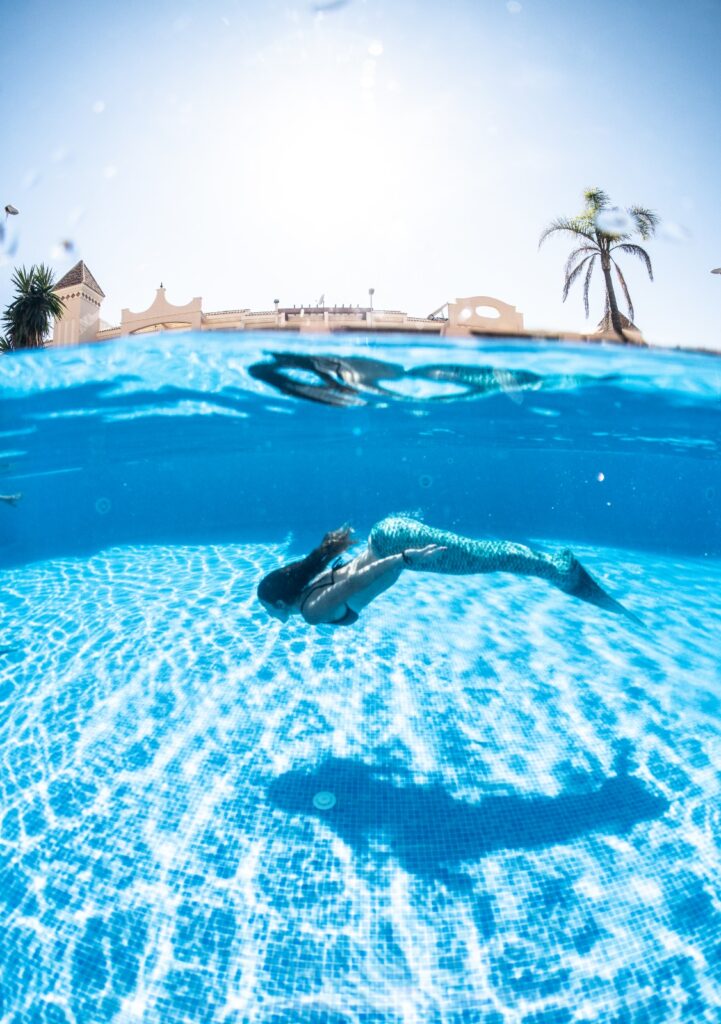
(485, 804)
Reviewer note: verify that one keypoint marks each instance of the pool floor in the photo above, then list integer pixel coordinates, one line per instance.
(486, 803)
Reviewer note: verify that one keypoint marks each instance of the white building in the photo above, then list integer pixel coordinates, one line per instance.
(83, 296)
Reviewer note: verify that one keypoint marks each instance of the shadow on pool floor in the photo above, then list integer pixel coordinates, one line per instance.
(427, 829)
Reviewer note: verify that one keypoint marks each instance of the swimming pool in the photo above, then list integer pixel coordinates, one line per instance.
(485, 803)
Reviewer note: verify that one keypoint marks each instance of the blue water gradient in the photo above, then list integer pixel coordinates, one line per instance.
(524, 825)
(174, 439)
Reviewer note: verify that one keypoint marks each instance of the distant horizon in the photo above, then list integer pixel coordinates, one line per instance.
(528, 332)
(529, 329)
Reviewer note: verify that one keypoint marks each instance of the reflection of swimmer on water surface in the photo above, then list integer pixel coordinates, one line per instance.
(358, 380)
(10, 499)
(335, 596)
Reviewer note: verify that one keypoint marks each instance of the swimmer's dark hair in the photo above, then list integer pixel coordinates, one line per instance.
(288, 583)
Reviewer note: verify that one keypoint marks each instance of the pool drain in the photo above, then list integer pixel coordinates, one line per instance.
(324, 800)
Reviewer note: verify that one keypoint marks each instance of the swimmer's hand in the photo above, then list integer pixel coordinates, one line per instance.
(11, 499)
(419, 558)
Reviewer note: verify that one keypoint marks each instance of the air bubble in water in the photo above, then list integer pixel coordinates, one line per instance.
(425, 480)
(98, 107)
(31, 178)
(9, 239)
(325, 6)
(103, 506)
(614, 221)
(601, 477)
(672, 232)
(63, 249)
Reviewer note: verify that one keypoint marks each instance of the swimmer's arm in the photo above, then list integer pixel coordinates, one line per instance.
(364, 585)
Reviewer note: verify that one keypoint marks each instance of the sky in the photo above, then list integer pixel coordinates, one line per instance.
(248, 150)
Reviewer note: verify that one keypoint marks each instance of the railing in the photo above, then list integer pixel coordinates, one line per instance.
(227, 312)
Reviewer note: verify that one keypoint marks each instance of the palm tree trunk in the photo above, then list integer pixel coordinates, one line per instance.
(611, 299)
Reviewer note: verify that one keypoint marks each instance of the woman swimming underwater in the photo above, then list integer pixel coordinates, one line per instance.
(337, 595)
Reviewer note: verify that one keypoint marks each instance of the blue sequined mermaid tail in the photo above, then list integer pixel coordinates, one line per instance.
(466, 556)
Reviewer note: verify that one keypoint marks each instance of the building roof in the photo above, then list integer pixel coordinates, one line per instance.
(79, 274)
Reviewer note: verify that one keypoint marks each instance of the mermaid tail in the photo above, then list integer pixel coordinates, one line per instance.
(466, 556)
(579, 583)
(462, 555)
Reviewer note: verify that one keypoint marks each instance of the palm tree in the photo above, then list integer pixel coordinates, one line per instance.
(28, 318)
(602, 230)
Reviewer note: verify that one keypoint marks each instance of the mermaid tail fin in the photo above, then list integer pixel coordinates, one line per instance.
(579, 583)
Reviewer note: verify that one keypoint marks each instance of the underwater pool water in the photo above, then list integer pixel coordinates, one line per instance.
(485, 803)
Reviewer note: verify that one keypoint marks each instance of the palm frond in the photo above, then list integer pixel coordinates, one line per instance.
(28, 318)
(636, 250)
(587, 285)
(596, 200)
(593, 240)
(577, 252)
(570, 278)
(571, 225)
(624, 288)
(646, 221)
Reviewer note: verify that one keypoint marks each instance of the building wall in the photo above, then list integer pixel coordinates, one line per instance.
(465, 316)
(81, 320)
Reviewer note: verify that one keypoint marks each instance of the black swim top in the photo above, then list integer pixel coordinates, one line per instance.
(349, 616)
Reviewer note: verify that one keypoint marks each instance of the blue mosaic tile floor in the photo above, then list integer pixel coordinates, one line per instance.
(485, 804)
